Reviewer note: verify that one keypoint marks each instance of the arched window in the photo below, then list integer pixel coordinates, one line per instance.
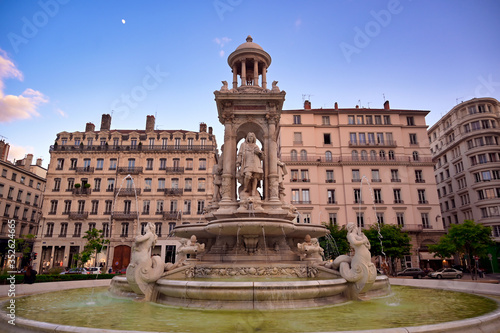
(364, 155)
(382, 154)
(354, 155)
(373, 155)
(303, 155)
(328, 156)
(415, 156)
(391, 154)
(293, 155)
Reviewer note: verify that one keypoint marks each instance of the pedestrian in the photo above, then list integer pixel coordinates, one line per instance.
(29, 275)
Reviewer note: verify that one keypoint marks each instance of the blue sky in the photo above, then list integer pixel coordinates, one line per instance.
(64, 63)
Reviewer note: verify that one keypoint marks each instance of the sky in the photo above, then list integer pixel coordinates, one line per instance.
(64, 63)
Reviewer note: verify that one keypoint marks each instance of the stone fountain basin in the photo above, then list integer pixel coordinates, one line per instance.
(271, 227)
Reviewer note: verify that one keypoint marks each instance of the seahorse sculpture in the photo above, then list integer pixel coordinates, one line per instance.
(357, 269)
(144, 270)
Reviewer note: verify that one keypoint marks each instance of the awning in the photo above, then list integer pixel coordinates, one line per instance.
(430, 256)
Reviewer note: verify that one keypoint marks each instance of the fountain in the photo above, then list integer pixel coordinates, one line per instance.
(248, 255)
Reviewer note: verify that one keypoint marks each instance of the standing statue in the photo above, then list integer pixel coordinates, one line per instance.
(282, 172)
(250, 171)
(144, 270)
(217, 173)
(357, 269)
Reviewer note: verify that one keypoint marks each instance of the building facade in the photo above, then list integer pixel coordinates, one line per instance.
(118, 181)
(21, 195)
(363, 165)
(466, 152)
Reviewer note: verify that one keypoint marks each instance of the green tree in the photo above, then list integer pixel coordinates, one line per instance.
(339, 242)
(469, 238)
(24, 245)
(95, 244)
(395, 242)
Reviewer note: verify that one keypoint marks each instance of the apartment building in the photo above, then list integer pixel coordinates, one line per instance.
(466, 152)
(21, 195)
(118, 181)
(365, 166)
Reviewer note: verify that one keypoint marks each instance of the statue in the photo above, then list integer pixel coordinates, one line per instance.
(217, 173)
(191, 247)
(224, 87)
(281, 178)
(275, 87)
(357, 269)
(144, 270)
(250, 171)
(310, 250)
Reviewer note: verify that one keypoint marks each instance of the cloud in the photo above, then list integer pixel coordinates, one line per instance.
(13, 107)
(221, 53)
(61, 113)
(222, 41)
(19, 152)
(298, 23)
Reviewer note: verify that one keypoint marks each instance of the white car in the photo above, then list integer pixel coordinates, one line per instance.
(94, 270)
(449, 273)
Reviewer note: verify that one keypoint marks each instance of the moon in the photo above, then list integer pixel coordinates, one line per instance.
(123, 21)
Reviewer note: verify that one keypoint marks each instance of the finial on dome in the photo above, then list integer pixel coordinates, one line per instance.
(249, 39)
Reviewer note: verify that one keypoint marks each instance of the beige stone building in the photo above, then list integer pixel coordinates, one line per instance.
(466, 152)
(21, 194)
(118, 181)
(363, 165)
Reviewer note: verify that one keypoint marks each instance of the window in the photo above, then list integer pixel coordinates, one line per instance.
(294, 174)
(67, 206)
(297, 138)
(419, 177)
(400, 217)
(359, 120)
(304, 175)
(331, 196)
(395, 176)
(111, 185)
(131, 163)
(296, 119)
(303, 155)
(147, 184)
(50, 229)
(57, 184)
(188, 184)
(380, 218)
(295, 196)
(146, 204)
(11, 192)
(187, 207)
(353, 138)
(362, 138)
(325, 120)
(326, 139)
(124, 230)
(177, 143)
(95, 207)
(410, 121)
(371, 138)
(354, 155)
(112, 164)
(378, 120)
(161, 184)
(189, 164)
(201, 207)
(173, 206)
(53, 207)
(377, 196)
(78, 230)
(397, 196)
(307, 218)
(425, 220)
(369, 120)
(328, 156)
(380, 138)
(73, 163)
(159, 206)
(97, 184)
(293, 155)
(163, 163)
(158, 228)
(329, 176)
(360, 219)
(107, 207)
(99, 164)
(421, 197)
(357, 196)
(81, 206)
(149, 164)
(190, 143)
(175, 182)
(355, 175)
(350, 120)
(60, 164)
(203, 164)
(415, 156)
(201, 184)
(387, 120)
(376, 176)
(413, 139)
(332, 218)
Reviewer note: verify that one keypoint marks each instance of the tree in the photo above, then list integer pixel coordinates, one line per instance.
(24, 245)
(469, 238)
(339, 242)
(395, 242)
(95, 244)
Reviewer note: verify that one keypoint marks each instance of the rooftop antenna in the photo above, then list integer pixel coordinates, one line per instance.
(359, 102)
(368, 104)
(304, 97)
(112, 113)
(458, 99)
(3, 137)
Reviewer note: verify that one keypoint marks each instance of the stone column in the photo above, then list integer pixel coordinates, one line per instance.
(229, 163)
(243, 72)
(235, 77)
(66, 256)
(273, 162)
(255, 72)
(264, 82)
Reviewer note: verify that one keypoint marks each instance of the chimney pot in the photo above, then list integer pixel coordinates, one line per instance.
(307, 105)
(203, 128)
(89, 127)
(150, 123)
(210, 130)
(336, 106)
(386, 105)
(39, 162)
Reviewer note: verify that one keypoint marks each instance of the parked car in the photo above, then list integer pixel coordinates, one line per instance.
(121, 271)
(94, 270)
(447, 273)
(76, 271)
(416, 273)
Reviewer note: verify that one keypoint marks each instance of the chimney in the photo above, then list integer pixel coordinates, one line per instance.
(336, 106)
(39, 162)
(27, 161)
(150, 123)
(203, 128)
(89, 127)
(386, 105)
(210, 130)
(105, 122)
(357, 106)
(307, 105)
(4, 150)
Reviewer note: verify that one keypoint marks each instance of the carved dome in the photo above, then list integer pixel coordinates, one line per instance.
(249, 45)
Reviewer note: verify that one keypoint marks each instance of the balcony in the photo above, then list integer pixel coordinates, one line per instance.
(172, 215)
(125, 215)
(330, 181)
(395, 180)
(304, 180)
(423, 202)
(412, 228)
(129, 170)
(301, 202)
(84, 170)
(128, 192)
(399, 202)
(174, 170)
(81, 191)
(376, 180)
(419, 180)
(388, 143)
(173, 191)
(78, 215)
